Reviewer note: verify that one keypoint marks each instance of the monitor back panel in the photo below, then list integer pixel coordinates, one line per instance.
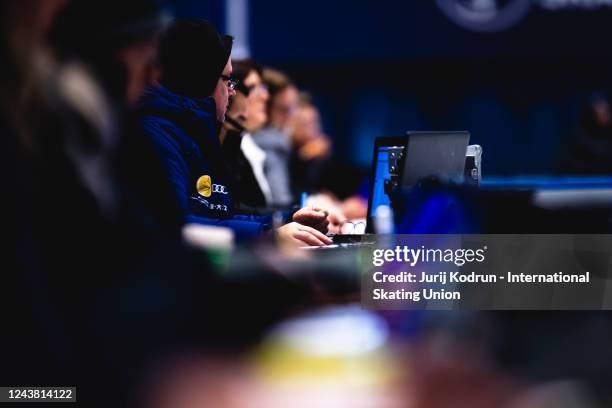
(435, 154)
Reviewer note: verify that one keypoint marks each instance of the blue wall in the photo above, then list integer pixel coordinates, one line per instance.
(386, 66)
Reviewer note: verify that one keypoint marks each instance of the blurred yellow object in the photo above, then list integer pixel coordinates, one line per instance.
(341, 346)
(277, 362)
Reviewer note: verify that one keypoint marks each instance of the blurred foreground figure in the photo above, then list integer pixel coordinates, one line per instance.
(80, 271)
(514, 359)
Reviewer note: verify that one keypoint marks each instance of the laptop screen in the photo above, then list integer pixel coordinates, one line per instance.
(382, 172)
(386, 169)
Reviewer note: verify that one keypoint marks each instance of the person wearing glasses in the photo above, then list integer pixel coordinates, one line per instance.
(183, 117)
(250, 76)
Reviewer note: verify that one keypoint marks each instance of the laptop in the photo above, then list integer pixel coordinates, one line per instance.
(402, 162)
(386, 168)
(386, 172)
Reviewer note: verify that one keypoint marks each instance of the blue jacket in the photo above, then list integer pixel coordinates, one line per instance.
(184, 132)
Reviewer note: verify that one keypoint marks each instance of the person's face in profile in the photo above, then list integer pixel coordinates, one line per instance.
(284, 106)
(223, 92)
(238, 108)
(306, 125)
(256, 115)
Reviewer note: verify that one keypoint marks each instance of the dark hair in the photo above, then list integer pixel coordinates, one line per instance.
(243, 67)
(305, 99)
(276, 81)
(192, 57)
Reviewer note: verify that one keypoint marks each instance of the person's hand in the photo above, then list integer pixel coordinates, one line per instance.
(302, 235)
(314, 217)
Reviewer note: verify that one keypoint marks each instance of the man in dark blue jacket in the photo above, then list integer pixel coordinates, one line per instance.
(182, 117)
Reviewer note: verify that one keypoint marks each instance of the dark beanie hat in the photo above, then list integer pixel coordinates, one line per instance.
(192, 57)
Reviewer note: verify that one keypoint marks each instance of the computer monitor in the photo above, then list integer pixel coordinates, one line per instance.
(403, 161)
(435, 154)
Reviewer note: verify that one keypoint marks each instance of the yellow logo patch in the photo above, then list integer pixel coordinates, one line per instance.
(204, 186)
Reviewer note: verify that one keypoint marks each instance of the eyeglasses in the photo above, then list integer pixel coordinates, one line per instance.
(231, 82)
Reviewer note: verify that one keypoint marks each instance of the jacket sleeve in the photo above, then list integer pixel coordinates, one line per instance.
(172, 158)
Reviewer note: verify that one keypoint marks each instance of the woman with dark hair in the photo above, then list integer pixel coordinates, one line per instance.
(250, 84)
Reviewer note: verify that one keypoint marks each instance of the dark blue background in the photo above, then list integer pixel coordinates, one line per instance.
(383, 67)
